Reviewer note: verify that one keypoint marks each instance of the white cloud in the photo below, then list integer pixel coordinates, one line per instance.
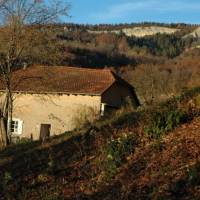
(124, 9)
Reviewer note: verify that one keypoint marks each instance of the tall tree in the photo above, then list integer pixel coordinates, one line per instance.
(25, 27)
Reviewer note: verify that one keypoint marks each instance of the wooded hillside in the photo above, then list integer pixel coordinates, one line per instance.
(165, 63)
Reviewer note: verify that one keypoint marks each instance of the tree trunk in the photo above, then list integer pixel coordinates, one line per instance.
(5, 128)
(3, 134)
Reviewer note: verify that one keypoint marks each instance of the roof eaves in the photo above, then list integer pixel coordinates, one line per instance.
(49, 92)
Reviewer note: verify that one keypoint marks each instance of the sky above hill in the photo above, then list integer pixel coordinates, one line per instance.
(127, 11)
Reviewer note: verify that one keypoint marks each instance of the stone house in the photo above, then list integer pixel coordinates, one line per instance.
(47, 100)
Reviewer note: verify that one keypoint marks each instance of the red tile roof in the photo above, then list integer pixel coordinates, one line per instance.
(60, 79)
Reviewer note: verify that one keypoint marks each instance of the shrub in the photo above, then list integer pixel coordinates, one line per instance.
(190, 93)
(21, 141)
(191, 179)
(157, 146)
(164, 121)
(116, 152)
(127, 119)
(85, 115)
(197, 101)
(193, 174)
(7, 178)
(178, 188)
(170, 104)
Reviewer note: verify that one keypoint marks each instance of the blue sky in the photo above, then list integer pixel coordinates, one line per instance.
(127, 11)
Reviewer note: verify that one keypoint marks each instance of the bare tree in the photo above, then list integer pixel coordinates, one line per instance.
(25, 25)
(145, 81)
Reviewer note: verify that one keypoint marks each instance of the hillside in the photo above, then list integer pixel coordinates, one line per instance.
(150, 153)
(99, 46)
(167, 53)
(170, 61)
(194, 34)
(133, 154)
(171, 168)
(77, 45)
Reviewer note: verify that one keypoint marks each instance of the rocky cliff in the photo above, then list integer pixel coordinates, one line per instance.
(140, 31)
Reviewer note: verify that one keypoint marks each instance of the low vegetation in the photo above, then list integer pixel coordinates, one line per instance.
(145, 154)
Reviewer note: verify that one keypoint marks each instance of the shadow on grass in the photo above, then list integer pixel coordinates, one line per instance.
(54, 159)
(128, 119)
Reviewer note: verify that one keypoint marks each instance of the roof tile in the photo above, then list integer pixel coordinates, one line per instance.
(62, 79)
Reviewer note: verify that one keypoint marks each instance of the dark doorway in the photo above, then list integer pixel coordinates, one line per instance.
(44, 132)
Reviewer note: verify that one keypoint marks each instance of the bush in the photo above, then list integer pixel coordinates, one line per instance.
(116, 152)
(191, 179)
(21, 141)
(84, 117)
(164, 121)
(126, 119)
(193, 174)
(190, 93)
(157, 146)
(178, 188)
(7, 178)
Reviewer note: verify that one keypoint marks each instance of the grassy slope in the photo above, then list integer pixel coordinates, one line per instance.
(168, 169)
(73, 166)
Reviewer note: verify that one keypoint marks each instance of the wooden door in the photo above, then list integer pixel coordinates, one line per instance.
(45, 131)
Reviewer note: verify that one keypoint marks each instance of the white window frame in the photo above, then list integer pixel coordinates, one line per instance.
(18, 128)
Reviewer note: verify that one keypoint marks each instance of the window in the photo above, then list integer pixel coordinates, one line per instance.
(16, 126)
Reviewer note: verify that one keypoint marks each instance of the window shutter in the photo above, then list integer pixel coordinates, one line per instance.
(8, 123)
(20, 126)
